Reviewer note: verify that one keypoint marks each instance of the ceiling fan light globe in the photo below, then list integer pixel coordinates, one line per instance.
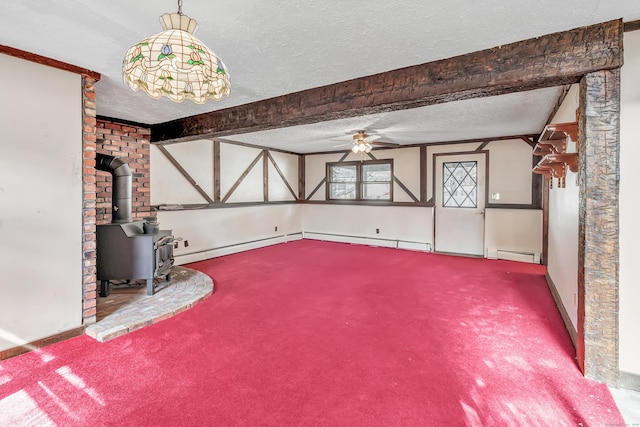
(361, 147)
(354, 149)
(368, 149)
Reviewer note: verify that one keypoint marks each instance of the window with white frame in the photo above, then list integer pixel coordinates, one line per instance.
(372, 180)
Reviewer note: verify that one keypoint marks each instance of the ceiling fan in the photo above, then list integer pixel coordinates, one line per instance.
(363, 143)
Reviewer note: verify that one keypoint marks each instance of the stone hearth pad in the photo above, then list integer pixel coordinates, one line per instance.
(129, 308)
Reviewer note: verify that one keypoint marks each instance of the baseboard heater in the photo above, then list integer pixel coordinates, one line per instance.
(531, 257)
(371, 241)
(195, 256)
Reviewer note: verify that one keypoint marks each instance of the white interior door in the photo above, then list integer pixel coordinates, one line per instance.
(459, 203)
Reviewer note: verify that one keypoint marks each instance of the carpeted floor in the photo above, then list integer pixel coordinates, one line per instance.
(327, 334)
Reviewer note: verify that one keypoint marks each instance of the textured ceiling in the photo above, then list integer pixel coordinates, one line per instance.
(453, 121)
(276, 47)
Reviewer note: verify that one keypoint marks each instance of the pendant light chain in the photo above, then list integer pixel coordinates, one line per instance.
(180, 7)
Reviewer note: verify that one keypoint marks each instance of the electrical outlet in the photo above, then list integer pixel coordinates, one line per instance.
(276, 228)
(186, 243)
(377, 231)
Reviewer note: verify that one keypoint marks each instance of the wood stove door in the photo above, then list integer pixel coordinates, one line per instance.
(164, 256)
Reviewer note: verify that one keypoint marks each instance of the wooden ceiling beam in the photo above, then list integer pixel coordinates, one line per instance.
(632, 26)
(39, 59)
(550, 60)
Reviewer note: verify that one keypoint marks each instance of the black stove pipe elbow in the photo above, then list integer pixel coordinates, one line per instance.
(121, 193)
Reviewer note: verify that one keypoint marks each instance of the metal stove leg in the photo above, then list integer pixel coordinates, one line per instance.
(150, 287)
(104, 288)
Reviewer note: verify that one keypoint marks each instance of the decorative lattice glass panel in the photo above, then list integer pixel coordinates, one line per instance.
(460, 184)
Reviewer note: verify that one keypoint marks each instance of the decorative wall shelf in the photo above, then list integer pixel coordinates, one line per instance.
(569, 159)
(552, 146)
(560, 131)
(549, 147)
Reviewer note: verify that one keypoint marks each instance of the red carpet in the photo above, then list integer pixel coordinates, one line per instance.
(326, 334)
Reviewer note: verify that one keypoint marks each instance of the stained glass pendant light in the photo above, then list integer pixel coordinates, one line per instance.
(175, 64)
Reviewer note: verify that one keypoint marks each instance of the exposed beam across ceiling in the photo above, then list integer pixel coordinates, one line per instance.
(632, 26)
(551, 60)
(39, 59)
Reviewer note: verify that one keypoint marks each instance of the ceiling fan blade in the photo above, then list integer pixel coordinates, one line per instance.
(372, 138)
(340, 145)
(384, 144)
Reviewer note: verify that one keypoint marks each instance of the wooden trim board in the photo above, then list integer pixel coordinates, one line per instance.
(43, 342)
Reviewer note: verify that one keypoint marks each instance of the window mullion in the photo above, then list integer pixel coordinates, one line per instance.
(359, 181)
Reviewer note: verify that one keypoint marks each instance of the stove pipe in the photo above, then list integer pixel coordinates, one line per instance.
(121, 193)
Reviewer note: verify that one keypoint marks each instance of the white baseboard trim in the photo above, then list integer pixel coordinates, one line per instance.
(370, 241)
(181, 259)
(235, 248)
(629, 381)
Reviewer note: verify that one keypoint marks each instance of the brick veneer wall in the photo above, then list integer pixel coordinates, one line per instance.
(131, 144)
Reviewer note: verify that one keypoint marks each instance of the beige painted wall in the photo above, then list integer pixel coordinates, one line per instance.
(509, 168)
(315, 172)
(406, 167)
(168, 186)
(41, 202)
(288, 165)
(234, 160)
(510, 176)
(517, 230)
(409, 227)
(562, 264)
(215, 232)
(629, 321)
(405, 227)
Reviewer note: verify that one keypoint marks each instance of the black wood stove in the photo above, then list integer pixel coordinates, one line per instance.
(126, 249)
